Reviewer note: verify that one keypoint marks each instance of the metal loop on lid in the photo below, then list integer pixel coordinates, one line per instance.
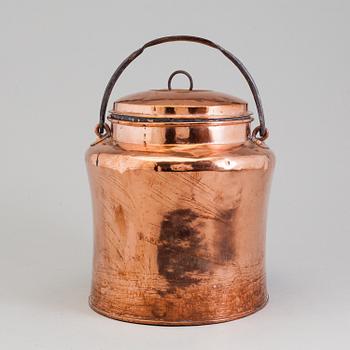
(188, 75)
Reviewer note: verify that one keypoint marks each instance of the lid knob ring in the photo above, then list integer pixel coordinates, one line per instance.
(188, 75)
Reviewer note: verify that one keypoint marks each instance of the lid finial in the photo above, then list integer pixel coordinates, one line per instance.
(188, 75)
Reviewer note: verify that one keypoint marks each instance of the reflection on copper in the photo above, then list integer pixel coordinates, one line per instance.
(182, 103)
(156, 134)
(180, 189)
(180, 220)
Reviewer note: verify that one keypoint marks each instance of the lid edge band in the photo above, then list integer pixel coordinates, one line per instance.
(130, 118)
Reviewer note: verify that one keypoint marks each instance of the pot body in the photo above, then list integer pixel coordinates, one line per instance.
(179, 227)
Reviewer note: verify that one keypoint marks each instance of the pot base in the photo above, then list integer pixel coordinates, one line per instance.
(151, 322)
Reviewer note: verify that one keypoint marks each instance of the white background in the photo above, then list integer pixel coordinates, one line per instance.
(55, 60)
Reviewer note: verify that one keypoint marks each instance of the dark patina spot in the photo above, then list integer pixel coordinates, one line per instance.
(179, 250)
(224, 231)
(199, 135)
(170, 110)
(170, 136)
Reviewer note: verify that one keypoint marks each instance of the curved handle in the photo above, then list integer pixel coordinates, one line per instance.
(261, 128)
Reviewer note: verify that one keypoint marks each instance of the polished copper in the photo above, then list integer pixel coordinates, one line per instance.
(152, 136)
(179, 207)
(181, 103)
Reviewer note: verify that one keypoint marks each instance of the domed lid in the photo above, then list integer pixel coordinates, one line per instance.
(179, 105)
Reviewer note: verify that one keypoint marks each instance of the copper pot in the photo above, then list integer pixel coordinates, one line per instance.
(179, 189)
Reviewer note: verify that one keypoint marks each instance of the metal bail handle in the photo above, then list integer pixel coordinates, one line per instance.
(261, 129)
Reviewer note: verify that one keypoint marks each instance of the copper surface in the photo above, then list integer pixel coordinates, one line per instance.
(179, 103)
(179, 227)
(180, 190)
(146, 136)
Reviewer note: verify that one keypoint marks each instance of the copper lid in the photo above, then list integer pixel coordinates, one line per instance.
(180, 104)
